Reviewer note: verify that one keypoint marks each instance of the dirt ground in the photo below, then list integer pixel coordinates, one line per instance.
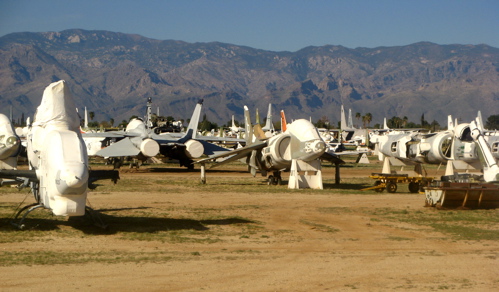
(167, 232)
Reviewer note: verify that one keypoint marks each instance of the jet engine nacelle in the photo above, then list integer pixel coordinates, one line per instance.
(436, 148)
(63, 173)
(193, 149)
(148, 147)
(277, 155)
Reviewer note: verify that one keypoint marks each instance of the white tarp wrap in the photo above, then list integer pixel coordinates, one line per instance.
(57, 108)
(5, 126)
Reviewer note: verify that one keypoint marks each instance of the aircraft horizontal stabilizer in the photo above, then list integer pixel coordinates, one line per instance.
(124, 147)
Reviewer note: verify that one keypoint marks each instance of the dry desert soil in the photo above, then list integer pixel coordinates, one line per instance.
(168, 232)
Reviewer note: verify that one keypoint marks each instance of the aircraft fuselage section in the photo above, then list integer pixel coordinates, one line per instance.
(62, 169)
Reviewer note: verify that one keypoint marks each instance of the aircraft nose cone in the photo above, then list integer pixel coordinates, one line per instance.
(315, 146)
(74, 179)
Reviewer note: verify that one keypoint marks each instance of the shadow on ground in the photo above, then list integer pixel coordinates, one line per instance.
(115, 223)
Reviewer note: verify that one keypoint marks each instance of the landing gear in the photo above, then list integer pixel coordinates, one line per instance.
(275, 179)
(28, 209)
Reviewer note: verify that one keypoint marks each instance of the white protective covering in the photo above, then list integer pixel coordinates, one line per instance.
(56, 110)
(5, 126)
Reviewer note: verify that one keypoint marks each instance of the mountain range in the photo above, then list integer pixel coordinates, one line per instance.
(113, 74)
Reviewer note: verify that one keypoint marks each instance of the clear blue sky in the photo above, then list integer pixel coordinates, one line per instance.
(275, 25)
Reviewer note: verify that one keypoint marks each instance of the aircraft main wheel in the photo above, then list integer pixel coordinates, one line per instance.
(278, 181)
(391, 187)
(377, 183)
(414, 187)
(270, 180)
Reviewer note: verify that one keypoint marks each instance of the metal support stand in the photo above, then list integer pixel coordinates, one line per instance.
(203, 174)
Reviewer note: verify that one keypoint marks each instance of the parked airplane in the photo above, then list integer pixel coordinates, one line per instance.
(139, 140)
(235, 130)
(454, 147)
(350, 134)
(9, 144)
(298, 148)
(58, 162)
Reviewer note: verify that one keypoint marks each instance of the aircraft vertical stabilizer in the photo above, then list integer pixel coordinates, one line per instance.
(86, 119)
(385, 125)
(193, 124)
(343, 122)
(248, 127)
(450, 123)
(284, 124)
(269, 126)
(350, 120)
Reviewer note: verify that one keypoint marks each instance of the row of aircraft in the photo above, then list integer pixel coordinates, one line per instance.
(140, 141)
(466, 146)
(59, 174)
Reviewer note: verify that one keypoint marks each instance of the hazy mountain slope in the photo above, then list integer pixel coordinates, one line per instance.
(114, 73)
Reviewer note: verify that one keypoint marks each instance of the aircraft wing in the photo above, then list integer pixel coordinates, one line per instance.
(124, 147)
(333, 158)
(235, 154)
(212, 149)
(219, 139)
(15, 173)
(15, 176)
(117, 134)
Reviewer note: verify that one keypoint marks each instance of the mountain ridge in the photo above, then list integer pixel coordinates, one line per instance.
(113, 74)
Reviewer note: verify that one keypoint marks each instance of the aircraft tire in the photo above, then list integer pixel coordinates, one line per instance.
(270, 180)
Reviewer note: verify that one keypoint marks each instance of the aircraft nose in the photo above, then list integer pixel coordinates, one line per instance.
(73, 178)
(315, 146)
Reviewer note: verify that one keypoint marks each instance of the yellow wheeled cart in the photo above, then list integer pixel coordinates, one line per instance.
(389, 182)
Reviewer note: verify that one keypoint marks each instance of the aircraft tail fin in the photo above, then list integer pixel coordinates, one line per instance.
(193, 124)
(283, 122)
(350, 119)
(343, 122)
(85, 125)
(268, 123)
(248, 127)
(479, 121)
(385, 125)
(450, 123)
(258, 132)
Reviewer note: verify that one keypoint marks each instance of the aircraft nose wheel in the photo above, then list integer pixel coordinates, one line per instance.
(274, 180)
